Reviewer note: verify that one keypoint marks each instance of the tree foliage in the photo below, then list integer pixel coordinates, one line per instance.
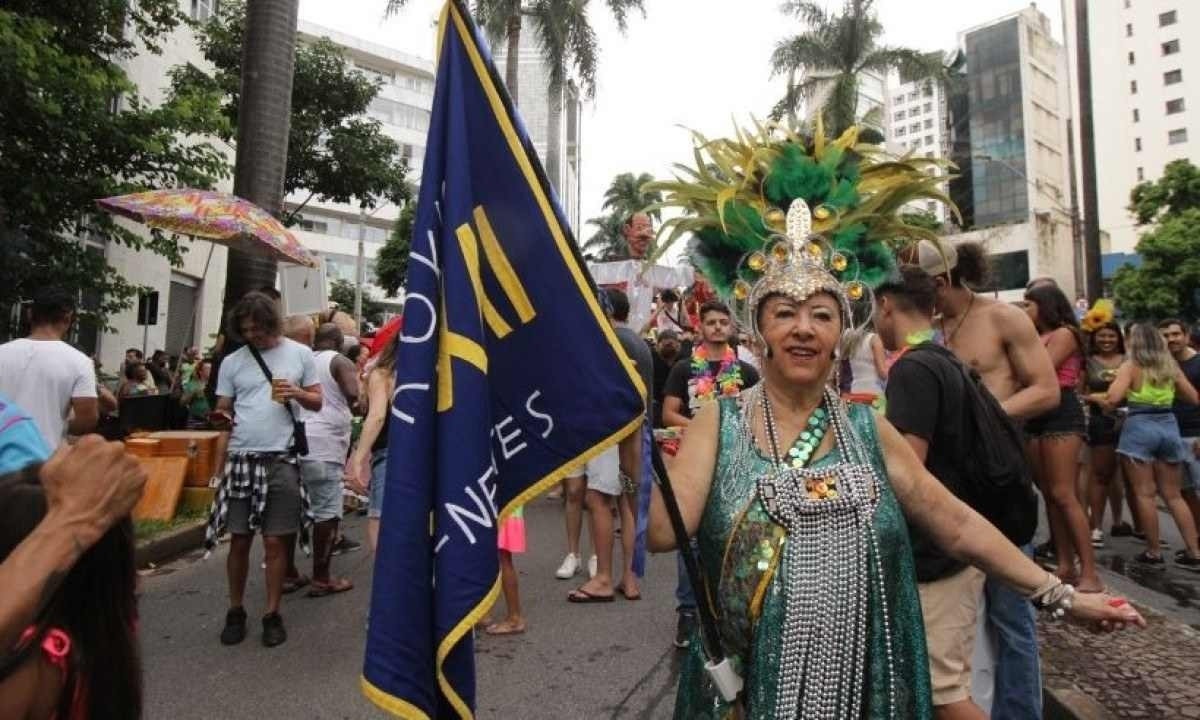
(1176, 191)
(1167, 282)
(74, 129)
(335, 152)
(342, 293)
(823, 64)
(391, 264)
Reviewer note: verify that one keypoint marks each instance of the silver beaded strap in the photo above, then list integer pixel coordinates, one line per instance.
(1055, 597)
(828, 581)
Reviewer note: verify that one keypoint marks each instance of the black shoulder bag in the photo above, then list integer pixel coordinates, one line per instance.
(299, 436)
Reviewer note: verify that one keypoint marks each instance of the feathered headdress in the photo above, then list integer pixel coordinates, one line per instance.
(741, 197)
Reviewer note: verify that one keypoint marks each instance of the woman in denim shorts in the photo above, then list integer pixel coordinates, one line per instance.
(1150, 445)
(371, 451)
(1056, 437)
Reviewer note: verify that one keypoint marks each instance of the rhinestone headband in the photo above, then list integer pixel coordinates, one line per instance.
(798, 265)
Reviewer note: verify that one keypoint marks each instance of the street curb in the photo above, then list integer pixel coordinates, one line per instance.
(168, 545)
(1070, 703)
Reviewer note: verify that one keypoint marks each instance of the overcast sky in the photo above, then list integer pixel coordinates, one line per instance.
(695, 63)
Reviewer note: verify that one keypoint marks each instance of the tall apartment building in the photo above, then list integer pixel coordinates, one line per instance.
(403, 107)
(1013, 149)
(917, 122)
(1143, 97)
(554, 124)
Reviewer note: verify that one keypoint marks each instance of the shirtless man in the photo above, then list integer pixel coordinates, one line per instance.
(999, 341)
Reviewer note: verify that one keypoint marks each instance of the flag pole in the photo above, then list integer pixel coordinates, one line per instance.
(720, 669)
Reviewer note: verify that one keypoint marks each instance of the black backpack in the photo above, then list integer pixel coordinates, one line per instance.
(991, 454)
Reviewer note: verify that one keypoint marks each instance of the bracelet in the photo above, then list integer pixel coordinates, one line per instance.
(1055, 597)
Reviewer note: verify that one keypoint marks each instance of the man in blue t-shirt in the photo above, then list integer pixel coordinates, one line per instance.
(1175, 333)
(261, 489)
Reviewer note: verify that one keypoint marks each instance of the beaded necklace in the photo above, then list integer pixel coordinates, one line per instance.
(802, 452)
(705, 383)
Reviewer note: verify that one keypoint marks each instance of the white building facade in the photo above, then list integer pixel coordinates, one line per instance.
(189, 297)
(917, 122)
(1145, 64)
(403, 107)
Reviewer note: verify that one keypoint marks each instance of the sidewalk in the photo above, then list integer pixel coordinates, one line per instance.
(1146, 674)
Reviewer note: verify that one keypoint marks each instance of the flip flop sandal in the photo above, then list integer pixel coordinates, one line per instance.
(628, 597)
(320, 589)
(291, 585)
(581, 596)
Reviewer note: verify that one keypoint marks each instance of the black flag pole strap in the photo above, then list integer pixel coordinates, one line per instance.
(728, 683)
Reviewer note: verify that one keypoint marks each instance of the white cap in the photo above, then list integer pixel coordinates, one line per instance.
(936, 258)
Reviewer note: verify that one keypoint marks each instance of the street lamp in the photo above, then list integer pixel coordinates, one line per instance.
(360, 265)
(1071, 212)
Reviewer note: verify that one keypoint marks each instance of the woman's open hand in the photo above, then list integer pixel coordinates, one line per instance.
(1105, 612)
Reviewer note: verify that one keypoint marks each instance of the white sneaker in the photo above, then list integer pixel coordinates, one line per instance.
(569, 567)
(592, 566)
(1097, 538)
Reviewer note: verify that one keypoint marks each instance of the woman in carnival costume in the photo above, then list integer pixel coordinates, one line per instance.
(799, 501)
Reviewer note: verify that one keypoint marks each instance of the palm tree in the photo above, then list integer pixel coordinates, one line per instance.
(608, 242)
(823, 63)
(568, 42)
(626, 195)
(264, 110)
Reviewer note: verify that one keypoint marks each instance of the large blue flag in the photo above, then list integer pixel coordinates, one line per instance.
(508, 376)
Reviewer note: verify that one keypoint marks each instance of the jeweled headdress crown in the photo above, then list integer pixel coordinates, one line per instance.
(774, 211)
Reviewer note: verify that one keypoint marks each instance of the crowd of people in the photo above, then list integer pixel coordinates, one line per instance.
(1102, 416)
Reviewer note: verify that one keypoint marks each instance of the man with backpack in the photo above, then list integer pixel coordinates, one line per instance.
(966, 440)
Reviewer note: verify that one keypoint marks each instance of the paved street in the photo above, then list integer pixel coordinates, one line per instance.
(597, 661)
(611, 661)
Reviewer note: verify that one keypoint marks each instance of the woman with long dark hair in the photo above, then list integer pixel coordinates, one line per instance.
(81, 660)
(1150, 444)
(1106, 352)
(1056, 437)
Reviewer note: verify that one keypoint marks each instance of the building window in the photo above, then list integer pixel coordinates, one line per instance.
(1167, 18)
(928, 139)
(316, 226)
(1137, 116)
(1128, 29)
(928, 123)
(1141, 174)
(912, 97)
(1127, 4)
(898, 116)
(929, 154)
(1133, 87)
(900, 132)
(203, 9)
(915, 127)
(1175, 106)
(928, 107)
(1131, 58)
(1177, 137)
(1170, 47)
(1172, 77)
(1137, 144)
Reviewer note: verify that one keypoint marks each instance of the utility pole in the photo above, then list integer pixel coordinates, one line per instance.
(1087, 151)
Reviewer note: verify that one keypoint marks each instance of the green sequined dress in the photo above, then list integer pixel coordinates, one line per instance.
(746, 571)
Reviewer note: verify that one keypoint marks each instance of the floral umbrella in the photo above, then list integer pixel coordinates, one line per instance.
(216, 216)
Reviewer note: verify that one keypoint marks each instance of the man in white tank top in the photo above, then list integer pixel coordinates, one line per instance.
(328, 433)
